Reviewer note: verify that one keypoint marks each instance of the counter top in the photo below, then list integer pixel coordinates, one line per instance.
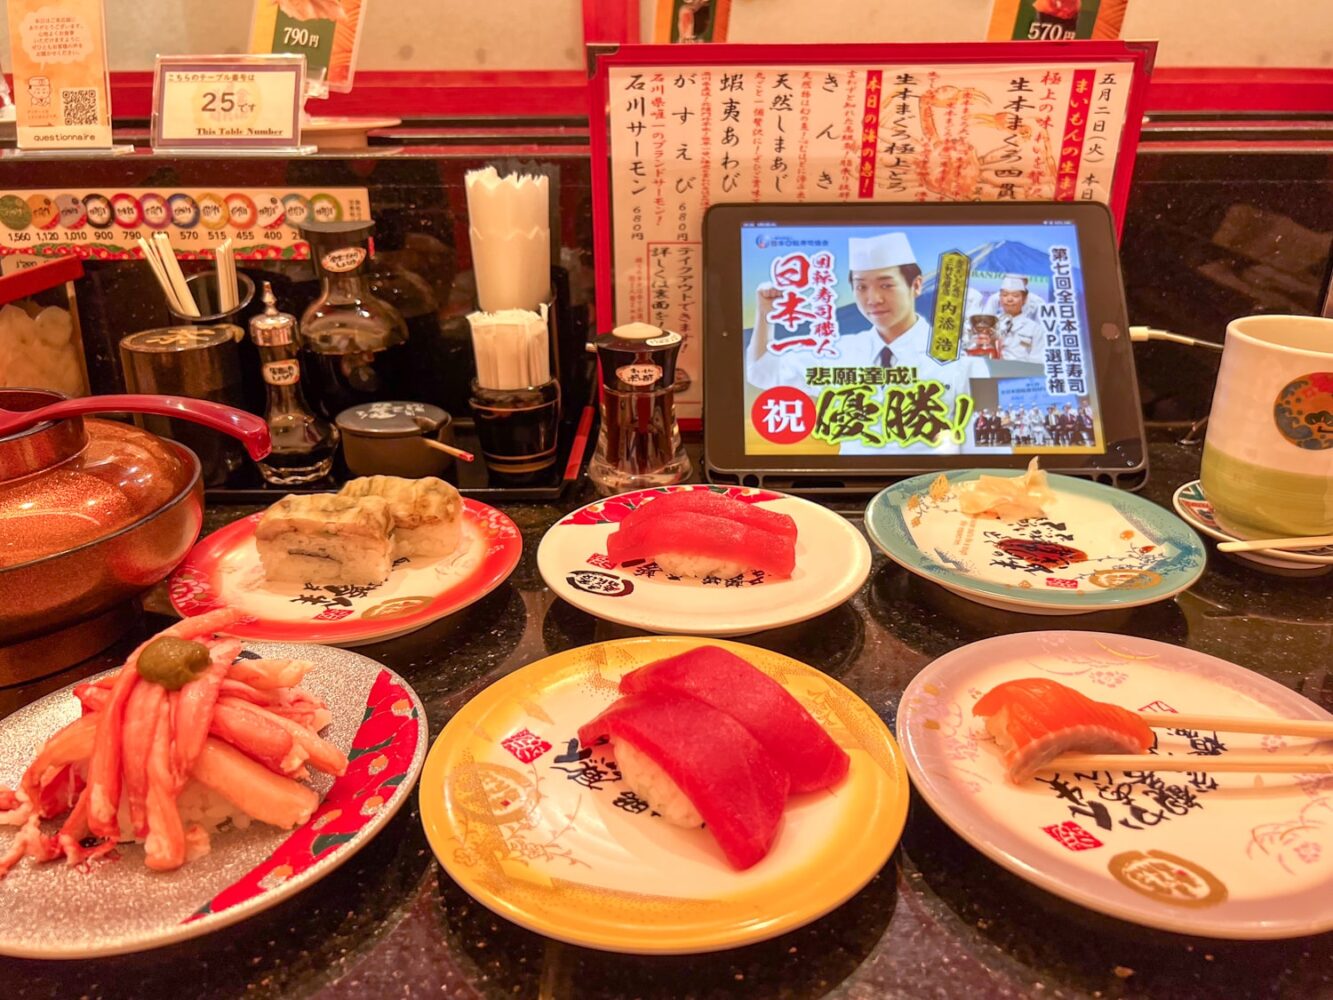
(939, 919)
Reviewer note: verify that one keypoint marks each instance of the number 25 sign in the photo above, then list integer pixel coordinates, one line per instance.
(228, 102)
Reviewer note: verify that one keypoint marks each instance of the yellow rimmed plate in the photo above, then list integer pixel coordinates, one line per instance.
(548, 836)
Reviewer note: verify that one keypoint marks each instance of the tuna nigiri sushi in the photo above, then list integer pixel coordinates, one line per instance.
(796, 742)
(715, 505)
(1034, 720)
(696, 766)
(700, 533)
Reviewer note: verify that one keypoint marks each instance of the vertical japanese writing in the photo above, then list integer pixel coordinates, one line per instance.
(757, 136)
(635, 112)
(803, 135)
(1064, 342)
(851, 148)
(1095, 149)
(1017, 122)
(824, 280)
(730, 85)
(657, 116)
(659, 285)
(783, 110)
(1075, 131)
(870, 134)
(686, 290)
(901, 145)
(705, 140)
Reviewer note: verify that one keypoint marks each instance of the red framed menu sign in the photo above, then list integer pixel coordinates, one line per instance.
(677, 129)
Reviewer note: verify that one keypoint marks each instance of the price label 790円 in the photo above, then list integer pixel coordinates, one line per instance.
(228, 102)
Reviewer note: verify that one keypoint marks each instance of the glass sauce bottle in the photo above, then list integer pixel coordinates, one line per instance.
(353, 344)
(303, 444)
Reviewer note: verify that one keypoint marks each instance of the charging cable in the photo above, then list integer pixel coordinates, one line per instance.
(1140, 334)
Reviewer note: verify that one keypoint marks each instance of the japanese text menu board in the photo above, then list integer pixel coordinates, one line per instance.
(969, 122)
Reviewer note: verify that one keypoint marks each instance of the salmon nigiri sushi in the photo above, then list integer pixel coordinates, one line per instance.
(1034, 720)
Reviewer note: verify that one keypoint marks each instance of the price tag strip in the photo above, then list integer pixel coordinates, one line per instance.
(244, 102)
(105, 225)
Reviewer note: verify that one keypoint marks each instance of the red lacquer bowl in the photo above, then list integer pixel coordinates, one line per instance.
(92, 513)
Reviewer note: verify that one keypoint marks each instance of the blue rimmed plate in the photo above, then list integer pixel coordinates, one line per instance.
(1095, 548)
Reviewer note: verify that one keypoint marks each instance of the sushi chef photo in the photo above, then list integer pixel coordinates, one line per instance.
(1018, 332)
(886, 281)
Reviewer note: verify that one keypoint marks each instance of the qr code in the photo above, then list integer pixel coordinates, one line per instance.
(79, 106)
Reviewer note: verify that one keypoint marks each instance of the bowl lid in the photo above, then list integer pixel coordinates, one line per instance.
(392, 419)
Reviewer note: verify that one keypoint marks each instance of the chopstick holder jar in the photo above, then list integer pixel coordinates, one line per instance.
(196, 361)
(203, 289)
(638, 444)
(518, 428)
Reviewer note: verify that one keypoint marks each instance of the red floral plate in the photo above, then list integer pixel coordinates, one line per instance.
(116, 905)
(224, 569)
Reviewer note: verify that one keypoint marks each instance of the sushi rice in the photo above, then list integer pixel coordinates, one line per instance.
(652, 784)
(198, 805)
(686, 564)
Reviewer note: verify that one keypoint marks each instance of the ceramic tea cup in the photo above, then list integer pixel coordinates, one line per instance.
(1268, 456)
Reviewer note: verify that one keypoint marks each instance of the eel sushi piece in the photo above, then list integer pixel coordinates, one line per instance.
(720, 678)
(715, 505)
(1034, 720)
(678, 743)
(691, 544)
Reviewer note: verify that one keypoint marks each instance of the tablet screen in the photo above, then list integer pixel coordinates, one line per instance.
(917, 339)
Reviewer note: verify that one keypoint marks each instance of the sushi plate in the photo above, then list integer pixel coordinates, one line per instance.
(1192, 504)
(832, 561)
(1226, 855)
(224, 570)
(545, 833)
(116, 905)
(1096, 548)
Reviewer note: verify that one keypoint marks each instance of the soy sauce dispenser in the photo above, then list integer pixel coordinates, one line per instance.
(639, 443)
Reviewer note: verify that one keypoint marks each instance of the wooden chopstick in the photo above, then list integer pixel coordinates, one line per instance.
(449, 449)
(1314, 728)
(1278, 544)
(1271, 763)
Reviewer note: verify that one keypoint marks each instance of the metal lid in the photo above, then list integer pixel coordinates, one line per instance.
(392, 419)
(638, 357)
(272, 328)
(173, 339)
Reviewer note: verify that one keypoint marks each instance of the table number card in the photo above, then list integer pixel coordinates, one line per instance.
(228, 102)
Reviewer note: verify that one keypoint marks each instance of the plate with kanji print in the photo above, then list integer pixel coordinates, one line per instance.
(832, 562)
(115, 905)
(1192, 504)
(224, 570)
(1221, 854)
(545, 832)
(1095, 548)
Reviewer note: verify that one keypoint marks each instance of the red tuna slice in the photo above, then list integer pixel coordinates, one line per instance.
(731, 780)
(778, 721)
(704, 535)
(715, 505)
